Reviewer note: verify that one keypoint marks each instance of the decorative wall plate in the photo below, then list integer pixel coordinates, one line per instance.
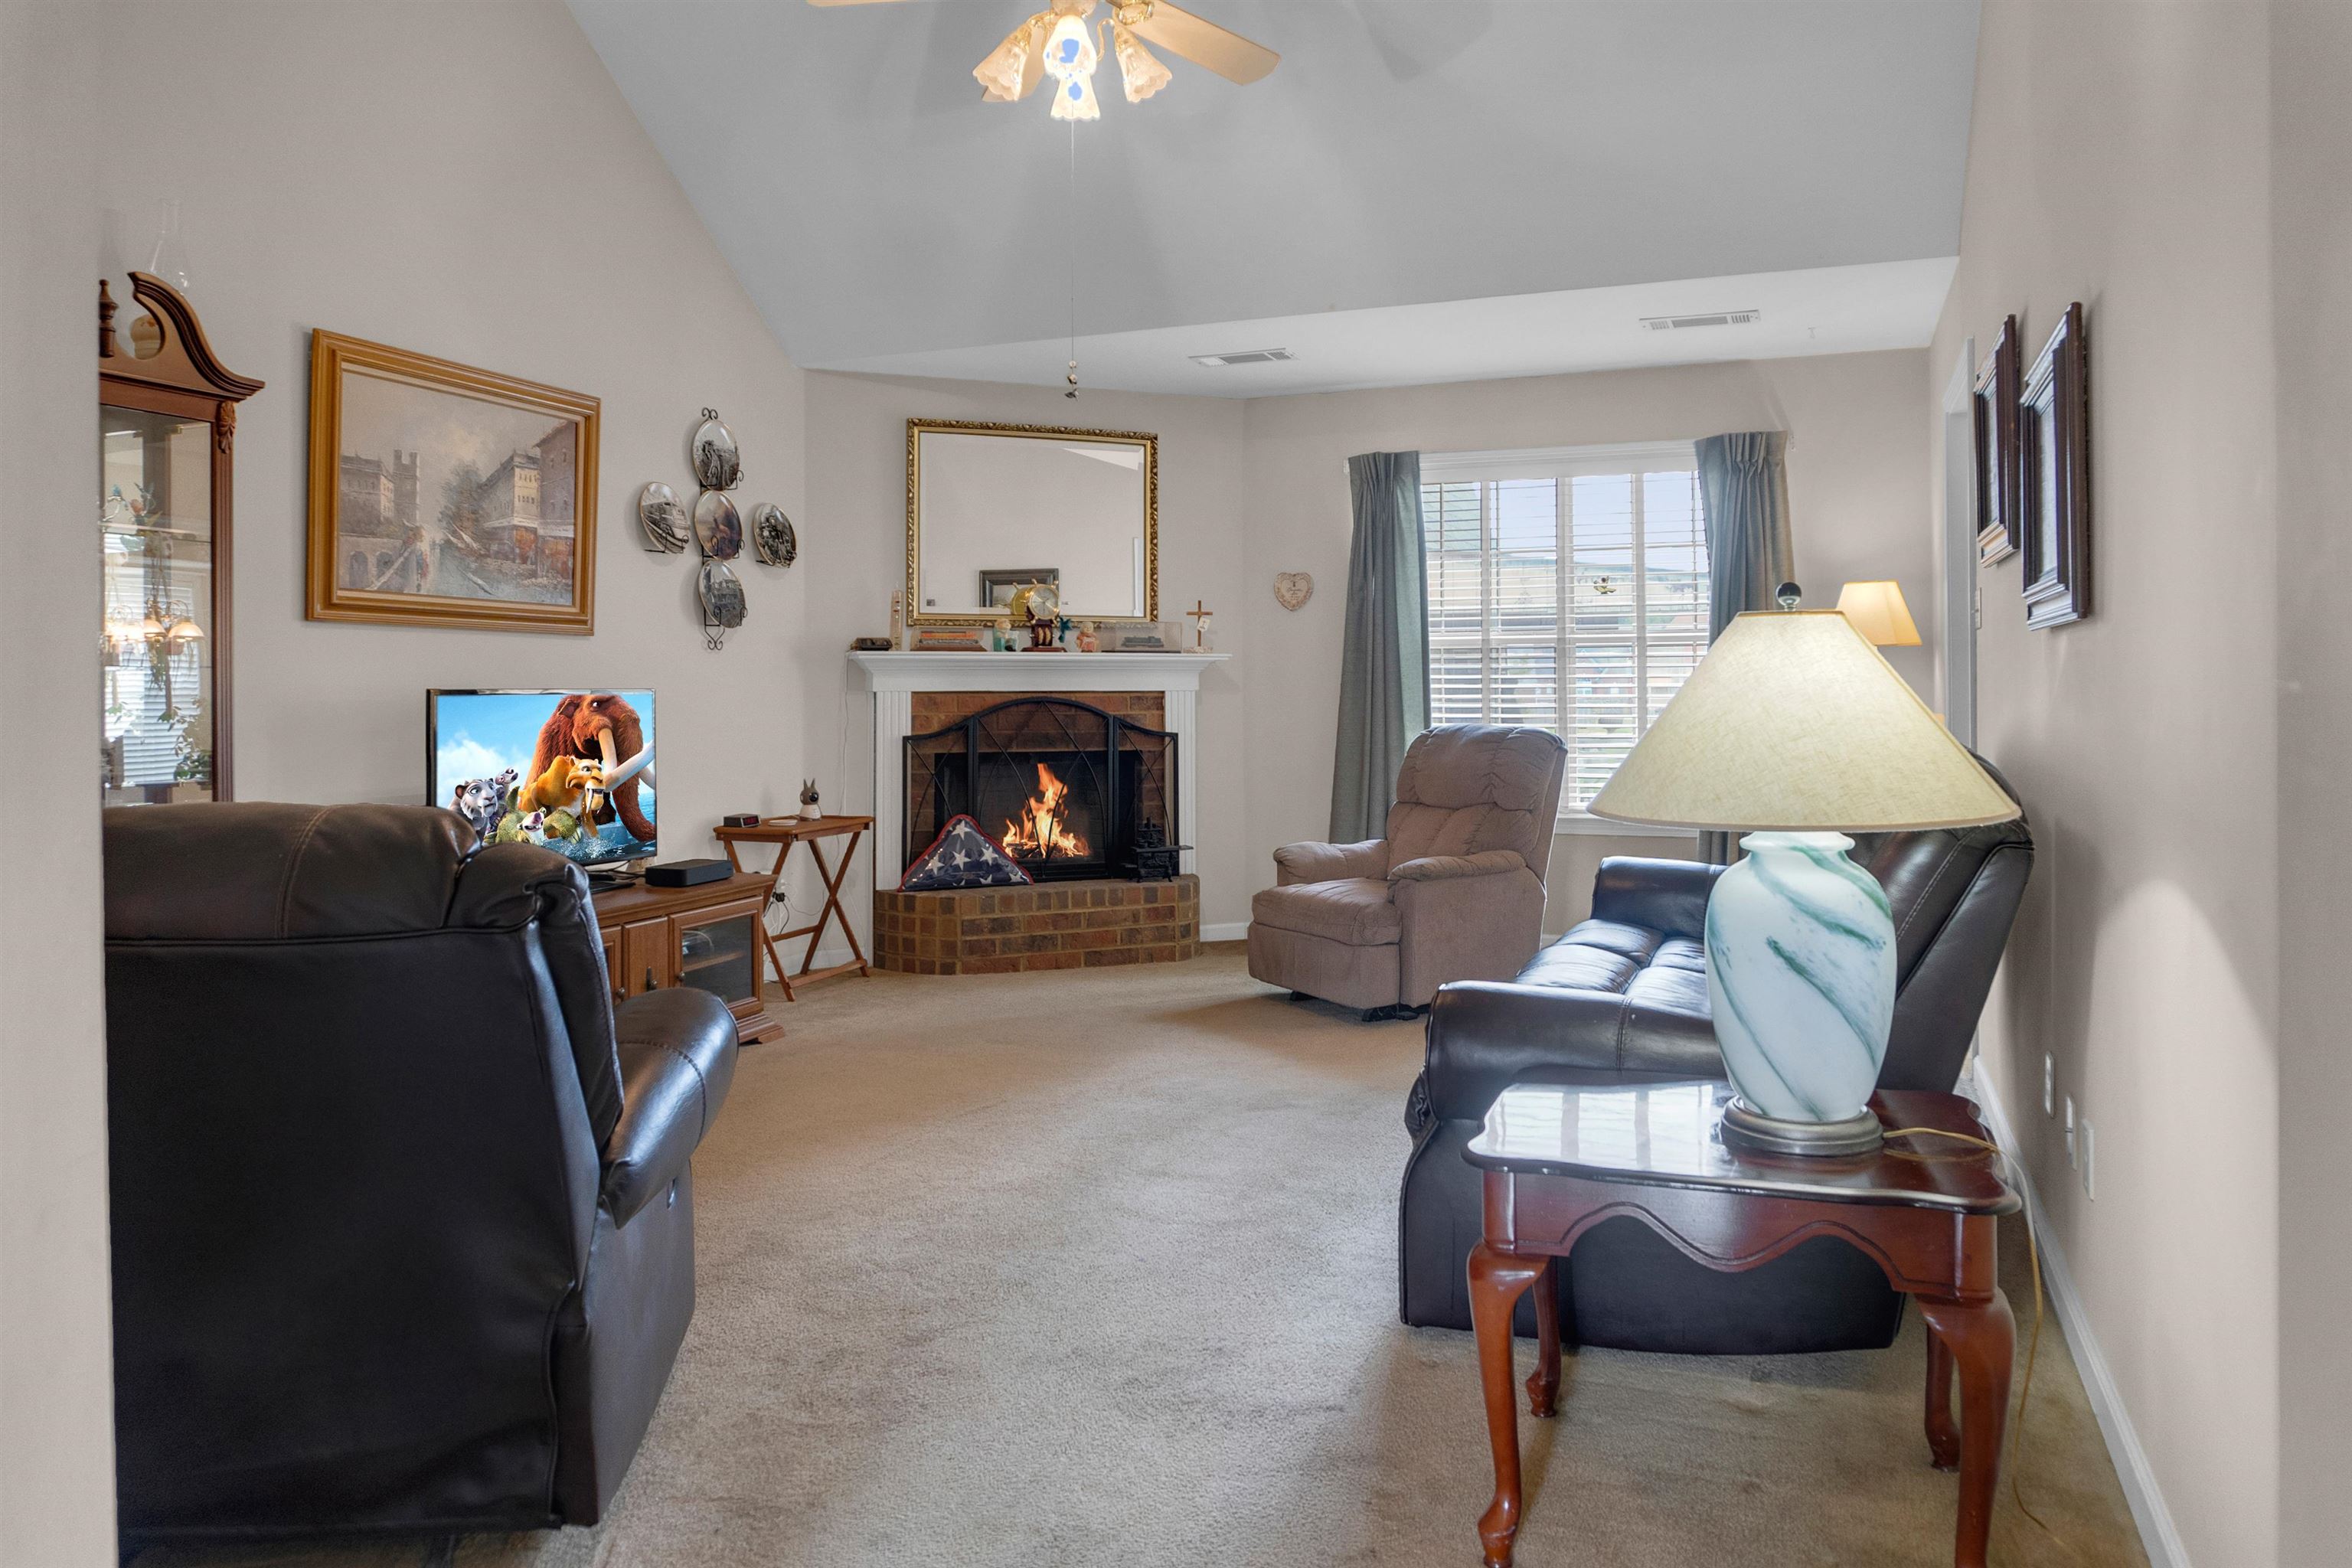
(721, 593)
(1292, 589)
(662, 517)
(718, 463)
(772, 539)
(717, 527)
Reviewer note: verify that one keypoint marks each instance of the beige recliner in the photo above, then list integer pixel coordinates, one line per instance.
(1455, 891)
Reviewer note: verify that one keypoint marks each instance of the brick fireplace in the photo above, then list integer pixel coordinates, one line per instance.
(1077, 916)
(1068, 786)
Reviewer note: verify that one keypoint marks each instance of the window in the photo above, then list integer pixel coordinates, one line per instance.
(1567, 590)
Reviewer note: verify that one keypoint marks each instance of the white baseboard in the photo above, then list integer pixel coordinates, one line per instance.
(2160, 1537)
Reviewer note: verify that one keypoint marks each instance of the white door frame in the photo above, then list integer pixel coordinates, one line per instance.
(1958, 553)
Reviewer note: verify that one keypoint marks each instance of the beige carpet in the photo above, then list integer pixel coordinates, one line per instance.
(1098, 1268)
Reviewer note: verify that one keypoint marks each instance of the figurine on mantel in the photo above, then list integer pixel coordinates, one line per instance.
(1088, 641)
(1003, 636)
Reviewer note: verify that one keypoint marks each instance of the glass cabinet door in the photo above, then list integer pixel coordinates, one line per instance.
(720, 952)
(155, 526)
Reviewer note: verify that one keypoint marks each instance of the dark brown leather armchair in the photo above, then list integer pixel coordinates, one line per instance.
(1622, 999)
(403, 1214)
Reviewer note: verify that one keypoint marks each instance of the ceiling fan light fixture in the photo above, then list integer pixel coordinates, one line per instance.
(999, 74)
(1073, 99)
(1138, 68)
(1069, 50)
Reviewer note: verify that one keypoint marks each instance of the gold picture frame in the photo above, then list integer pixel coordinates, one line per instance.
(441, 495)
(1147, 441)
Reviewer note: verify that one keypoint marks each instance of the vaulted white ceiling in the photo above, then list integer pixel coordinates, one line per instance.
(1424, 190)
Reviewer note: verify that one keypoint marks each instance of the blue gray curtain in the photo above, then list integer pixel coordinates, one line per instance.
(1384, 670)
(1743, 484)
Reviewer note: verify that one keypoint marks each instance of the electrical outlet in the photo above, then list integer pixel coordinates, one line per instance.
(2049, 1083)
(2090, 1188)
(2071, 1154)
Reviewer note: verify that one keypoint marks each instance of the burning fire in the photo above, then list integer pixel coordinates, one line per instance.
(1042, 830)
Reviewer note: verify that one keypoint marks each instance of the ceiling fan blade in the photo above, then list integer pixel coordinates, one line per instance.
(1228, 54)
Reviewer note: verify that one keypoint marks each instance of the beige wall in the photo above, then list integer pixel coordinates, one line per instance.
(1856, 449)
(856, 539)
(2311, 153)
(2118, 157)
(57, 1458)
(471, 187)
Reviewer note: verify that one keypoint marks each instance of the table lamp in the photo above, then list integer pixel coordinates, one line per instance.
(1794, 730)
(1878, 612)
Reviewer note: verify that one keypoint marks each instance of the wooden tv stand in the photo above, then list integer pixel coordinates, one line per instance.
(711, 936)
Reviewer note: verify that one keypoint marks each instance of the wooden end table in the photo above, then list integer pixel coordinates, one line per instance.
(783, 832)
(1559, 1159)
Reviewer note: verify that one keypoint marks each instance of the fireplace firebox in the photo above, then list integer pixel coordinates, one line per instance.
(1072, 790)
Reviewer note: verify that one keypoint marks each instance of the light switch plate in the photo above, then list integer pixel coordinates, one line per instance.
(2071, 1156)
(2090, 1146)
(2049, 1082)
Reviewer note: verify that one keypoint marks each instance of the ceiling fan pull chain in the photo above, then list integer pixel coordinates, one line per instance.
(1070, 249)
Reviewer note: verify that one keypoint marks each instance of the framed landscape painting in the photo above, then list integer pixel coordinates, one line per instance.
(443, 495)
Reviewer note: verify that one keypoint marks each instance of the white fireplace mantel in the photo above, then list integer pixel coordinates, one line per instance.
(893, 678)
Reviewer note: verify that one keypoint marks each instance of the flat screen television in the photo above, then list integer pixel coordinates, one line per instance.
(569, 770)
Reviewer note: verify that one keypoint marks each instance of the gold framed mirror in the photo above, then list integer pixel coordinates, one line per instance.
(992, 508)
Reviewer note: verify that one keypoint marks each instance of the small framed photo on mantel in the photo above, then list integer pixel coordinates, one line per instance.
(2054, 424)
(1995, 420)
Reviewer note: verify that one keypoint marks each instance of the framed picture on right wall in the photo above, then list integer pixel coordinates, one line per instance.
(2054, 430)
(1994, 408)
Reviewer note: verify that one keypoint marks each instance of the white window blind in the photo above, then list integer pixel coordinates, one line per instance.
(1567, 590)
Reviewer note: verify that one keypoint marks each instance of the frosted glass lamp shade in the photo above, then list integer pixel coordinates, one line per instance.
(1794, 722)
(1878, 612)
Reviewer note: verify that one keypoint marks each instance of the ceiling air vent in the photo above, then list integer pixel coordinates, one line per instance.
(1244, 356)
(1710, 318)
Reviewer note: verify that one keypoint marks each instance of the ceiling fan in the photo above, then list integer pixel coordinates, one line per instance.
(1056, 42)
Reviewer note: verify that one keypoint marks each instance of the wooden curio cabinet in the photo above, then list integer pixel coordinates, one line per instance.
(166, 436)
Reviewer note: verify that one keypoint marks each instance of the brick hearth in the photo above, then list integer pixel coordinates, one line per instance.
(1058, 925)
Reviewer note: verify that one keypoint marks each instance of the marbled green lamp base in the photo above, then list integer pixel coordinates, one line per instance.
(1801, 975)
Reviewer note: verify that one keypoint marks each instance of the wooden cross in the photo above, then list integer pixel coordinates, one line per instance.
(1200, 615)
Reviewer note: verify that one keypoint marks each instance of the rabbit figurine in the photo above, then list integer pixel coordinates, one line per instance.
(809, 812)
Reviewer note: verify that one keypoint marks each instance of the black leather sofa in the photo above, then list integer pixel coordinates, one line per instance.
(402, 1212)
(1622, 999)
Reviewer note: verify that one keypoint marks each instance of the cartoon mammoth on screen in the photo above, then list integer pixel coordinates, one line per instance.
(602, 729)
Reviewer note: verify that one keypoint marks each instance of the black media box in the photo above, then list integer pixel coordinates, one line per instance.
(685, 873)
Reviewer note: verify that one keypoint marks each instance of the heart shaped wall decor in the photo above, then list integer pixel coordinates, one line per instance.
(1292, 589)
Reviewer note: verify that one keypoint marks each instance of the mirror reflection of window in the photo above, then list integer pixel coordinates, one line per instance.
(997, 511)
(156, 538)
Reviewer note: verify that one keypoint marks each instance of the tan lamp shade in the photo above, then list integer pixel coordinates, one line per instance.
(1792, 721)
(1878, 612)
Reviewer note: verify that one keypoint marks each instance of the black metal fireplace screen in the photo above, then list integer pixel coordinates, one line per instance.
(1071, 791)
